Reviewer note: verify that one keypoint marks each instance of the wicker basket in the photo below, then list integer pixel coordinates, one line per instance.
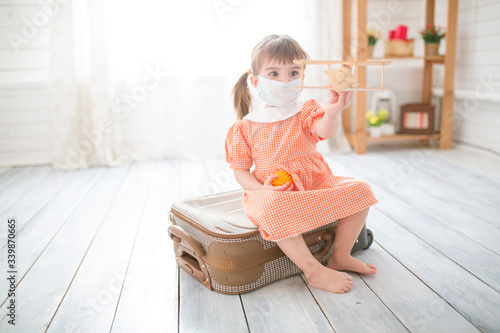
(399, 48)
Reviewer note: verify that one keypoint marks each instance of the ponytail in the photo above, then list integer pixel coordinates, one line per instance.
(242, 97)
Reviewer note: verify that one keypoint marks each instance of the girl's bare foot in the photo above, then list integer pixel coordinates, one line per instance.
(330, 280)
(351, 264)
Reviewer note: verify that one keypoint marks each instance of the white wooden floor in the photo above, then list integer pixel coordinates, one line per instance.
(93, 255)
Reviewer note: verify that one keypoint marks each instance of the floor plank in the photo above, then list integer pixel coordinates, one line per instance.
(39, 231)
(481, 163)
(370, 314)
(460, 248)
(151, 283)
(4, 170)
(411, 301)
(205, 311)
(22, 185)
(484, 203)
(194, 180)
(456, 219)
(266, 312)
(33, 198)
(11, 175)
(474, 299)
(103, 270)
(51, 276)
(429, 162)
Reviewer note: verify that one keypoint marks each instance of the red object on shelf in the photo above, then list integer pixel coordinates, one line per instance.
(392, 34)
(401, 31)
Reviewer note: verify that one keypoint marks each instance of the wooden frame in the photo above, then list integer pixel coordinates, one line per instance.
(358, 137)
(416, 119)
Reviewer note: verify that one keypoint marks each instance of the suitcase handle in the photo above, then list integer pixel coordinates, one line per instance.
(179, 236)
(328, 236)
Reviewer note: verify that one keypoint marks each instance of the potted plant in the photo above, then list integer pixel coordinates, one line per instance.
(432, 35)
(373, 36)
(375, 121)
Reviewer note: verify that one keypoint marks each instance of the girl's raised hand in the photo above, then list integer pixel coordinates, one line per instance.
(338, 103)
(269, 186)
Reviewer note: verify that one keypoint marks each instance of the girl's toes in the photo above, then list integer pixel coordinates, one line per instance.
(371, 269)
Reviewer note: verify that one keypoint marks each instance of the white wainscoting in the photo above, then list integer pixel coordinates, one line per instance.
(24, 42)
(477, 74)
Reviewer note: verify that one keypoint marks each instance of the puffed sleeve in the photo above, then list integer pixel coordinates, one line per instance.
(311, 112)
(237, 150)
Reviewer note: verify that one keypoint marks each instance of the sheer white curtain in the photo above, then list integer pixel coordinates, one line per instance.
(84, 127)
(137, 80)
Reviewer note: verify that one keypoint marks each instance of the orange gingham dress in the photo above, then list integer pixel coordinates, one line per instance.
(319, 197)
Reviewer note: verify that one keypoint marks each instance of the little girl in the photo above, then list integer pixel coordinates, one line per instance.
(283, 136)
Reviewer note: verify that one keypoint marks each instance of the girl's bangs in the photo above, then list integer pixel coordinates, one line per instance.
(283, 49)
(286, 52)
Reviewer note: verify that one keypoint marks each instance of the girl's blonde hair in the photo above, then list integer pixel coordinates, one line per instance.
(279, 47)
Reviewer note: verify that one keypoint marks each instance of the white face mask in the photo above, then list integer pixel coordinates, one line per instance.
(277, 93)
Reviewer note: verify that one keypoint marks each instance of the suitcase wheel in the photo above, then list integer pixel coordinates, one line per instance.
(369, 235)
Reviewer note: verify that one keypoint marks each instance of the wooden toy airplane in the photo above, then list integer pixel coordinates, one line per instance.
(341, 78)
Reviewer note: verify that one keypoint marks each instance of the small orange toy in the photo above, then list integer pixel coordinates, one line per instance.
(282, 178)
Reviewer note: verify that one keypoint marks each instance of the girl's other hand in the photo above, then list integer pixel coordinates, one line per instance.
(269, 186)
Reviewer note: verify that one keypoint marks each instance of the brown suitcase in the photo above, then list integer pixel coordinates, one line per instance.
(217, 244)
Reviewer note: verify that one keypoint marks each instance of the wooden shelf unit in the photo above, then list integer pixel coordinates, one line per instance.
(359, 138)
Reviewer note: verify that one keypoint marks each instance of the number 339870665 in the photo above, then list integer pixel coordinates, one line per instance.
(11, 243)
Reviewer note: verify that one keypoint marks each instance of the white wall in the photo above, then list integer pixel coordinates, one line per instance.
(477, 73)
